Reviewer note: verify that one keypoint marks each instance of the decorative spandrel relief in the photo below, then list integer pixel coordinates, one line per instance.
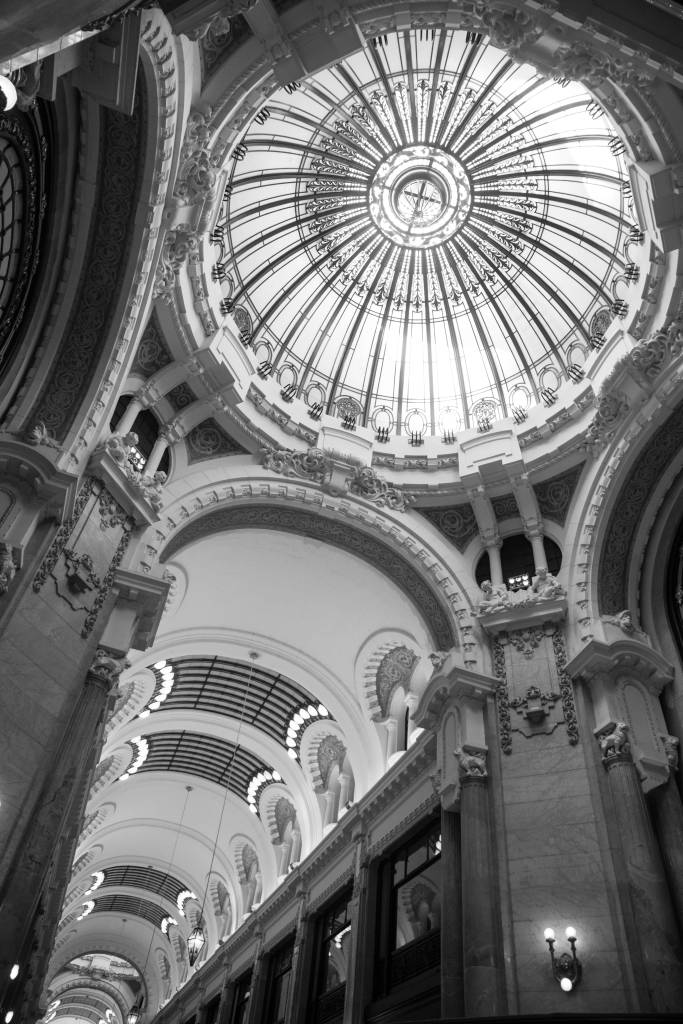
(534, 694)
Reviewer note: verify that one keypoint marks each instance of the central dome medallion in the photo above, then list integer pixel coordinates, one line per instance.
(419, 196)
(422, 234)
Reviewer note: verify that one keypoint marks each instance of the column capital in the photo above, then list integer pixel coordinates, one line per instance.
(614, 744)
(106, 667)
(472, 761)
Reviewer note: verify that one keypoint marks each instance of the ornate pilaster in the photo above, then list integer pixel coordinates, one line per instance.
(656, 931)
(453, 707)
(482, 971)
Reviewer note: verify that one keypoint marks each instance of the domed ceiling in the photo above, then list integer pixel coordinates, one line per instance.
(422, 235)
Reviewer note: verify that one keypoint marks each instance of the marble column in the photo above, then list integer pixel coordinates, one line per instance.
(495, 564)
(451, 916)
(299, 989)
(653, 915)
(482, 977)
(668, 814)
(156, 455)
(535, 538)
(130, 414)
(359, 974)
(41, 868)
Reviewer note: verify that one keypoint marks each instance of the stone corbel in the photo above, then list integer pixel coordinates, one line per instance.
(524, 614)
(140, 602)
(122, 488)
(626, 678)
(452, 707)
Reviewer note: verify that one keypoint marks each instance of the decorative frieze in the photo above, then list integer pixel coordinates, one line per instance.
(534, 692)
(326, 470)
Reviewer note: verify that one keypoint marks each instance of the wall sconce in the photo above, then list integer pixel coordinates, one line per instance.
(566, 968)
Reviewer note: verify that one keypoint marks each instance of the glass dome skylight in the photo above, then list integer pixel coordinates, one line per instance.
(422, 234)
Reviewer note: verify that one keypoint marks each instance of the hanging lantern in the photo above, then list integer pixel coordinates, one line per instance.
(133, 1015)
(195, 943)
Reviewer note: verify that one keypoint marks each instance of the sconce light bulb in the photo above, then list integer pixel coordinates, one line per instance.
(548, 934)
(566, 984)
(14, 972)
(570, 932)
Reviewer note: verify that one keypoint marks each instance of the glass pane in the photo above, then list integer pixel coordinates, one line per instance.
(337, 960)
(418, 905)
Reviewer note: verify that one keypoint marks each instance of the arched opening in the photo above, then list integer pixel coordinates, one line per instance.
(517, 558)
(146, 426)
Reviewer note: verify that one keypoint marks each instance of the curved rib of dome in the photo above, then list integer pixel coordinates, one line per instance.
(422, 235)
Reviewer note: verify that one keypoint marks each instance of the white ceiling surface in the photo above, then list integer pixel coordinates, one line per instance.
(311, 612)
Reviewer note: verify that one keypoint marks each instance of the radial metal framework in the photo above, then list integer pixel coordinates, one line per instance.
(234, 689)
(207, 757)
(149, 878)
(421, 235)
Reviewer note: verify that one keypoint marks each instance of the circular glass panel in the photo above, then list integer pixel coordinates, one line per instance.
(424, 225)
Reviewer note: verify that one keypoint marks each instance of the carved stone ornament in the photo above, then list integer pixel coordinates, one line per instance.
(178, 245)
(331, 751)
(671, 749)
(40, 435)
(497, 598)
(310, 465)
(472, 762)
(438, 658)
(624, 621)
(395, 669)
(535, 704)
(508, 29)
(611, 409)
(614, 742)
(107, 667)
(7, 567)
(368, 484)
(579, 63)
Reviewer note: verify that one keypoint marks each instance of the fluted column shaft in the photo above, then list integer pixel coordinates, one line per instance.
(668, 809)
(451, 917)
(656, 928)
(481, 970)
